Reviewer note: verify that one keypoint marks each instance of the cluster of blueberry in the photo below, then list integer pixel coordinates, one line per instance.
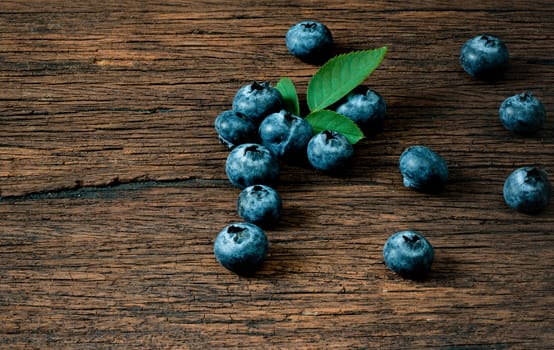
(261, 134)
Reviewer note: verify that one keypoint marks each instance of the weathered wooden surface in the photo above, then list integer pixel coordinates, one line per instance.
(113, 186)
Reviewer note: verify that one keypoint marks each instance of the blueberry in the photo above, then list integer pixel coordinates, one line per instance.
(367, 110)
(310, 41)
(527, 189)
(285, 134)
(409, 254)
(330, 151)
(234, 128)
(423, 169)
(250, 163)
(522, 114)
(241, 248)
(260, 205)
(484, 56)
(257, 100)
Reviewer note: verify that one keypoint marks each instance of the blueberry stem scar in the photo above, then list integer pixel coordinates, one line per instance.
(412, 239)
(256, 86)
(236, 231)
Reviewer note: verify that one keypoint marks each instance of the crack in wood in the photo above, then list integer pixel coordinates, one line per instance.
(108, 190)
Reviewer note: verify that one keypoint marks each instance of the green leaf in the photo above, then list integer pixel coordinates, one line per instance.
(340, 75)
(290, 97)
(328, 120)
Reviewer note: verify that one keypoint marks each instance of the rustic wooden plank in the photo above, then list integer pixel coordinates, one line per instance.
(96, 93)
(112, 184)
(133, 266)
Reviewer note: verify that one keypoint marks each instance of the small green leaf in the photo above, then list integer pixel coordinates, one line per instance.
(340, 75)
(290, 97)
(328, 120)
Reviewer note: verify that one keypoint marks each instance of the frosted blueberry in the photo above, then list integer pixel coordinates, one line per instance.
(310, 41)
(522, 114)
(241, 248)
(484, 56)
(286, 135)
(409, 254)
(249, 164)
(234, 128)
(367, 109)
(330, 151)
(260, 205)
(527, 189)
(423, 169)
(257, 100)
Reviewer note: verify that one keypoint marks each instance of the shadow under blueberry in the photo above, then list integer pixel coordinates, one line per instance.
(444, 268)
(277, 264)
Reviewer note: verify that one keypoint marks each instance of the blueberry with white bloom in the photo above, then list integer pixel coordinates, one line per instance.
(310, 41)
(330, 151)
(522, 114)
(367, 109)
(423, 169)
(484, 56)
(260, 205)
(250, 164)
(409, 254)
(234, 128)
(257, 101)
(286, 135)
(527, 189)
(241, 248)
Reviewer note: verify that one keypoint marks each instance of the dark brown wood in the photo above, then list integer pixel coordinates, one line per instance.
(113, 187)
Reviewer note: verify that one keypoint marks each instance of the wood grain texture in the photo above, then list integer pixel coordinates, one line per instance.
(113, 188)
